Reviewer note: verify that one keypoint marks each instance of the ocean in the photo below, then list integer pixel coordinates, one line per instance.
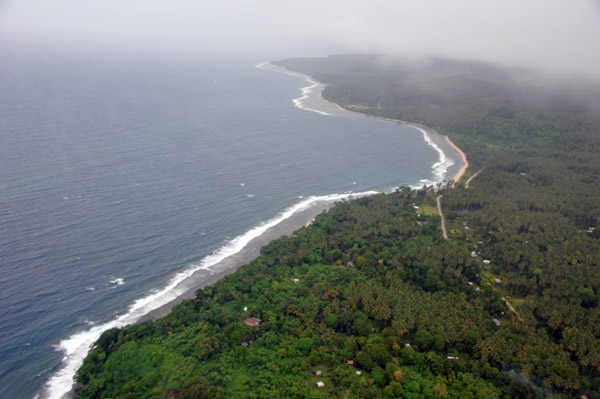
(121, 177)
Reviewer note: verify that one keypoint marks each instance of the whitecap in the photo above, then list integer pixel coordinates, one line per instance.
(117, 281)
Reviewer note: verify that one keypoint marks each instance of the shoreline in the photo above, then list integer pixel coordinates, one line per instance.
(314, 94)
(204, 278)
(465, 166)
(465, 163)
(301, 217)
(284, 223)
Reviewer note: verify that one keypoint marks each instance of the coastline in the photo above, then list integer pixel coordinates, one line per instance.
(205, 277)
(312, 100)
(313, 96)
(463, 158)
(465, 166)
(76, 347)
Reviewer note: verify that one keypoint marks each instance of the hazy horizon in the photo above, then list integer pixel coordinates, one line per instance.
(548, 35)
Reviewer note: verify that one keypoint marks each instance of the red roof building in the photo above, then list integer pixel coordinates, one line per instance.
(252, 321)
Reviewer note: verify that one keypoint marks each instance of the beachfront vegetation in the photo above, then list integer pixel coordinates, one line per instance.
(374, 298)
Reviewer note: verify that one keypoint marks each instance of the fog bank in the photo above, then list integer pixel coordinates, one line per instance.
(549, 34)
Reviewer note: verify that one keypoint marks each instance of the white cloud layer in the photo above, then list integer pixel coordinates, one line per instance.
(554, 34)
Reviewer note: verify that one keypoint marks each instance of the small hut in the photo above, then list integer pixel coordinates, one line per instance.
(252, 321)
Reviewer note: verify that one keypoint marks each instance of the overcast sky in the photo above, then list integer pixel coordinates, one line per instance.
(556, 34)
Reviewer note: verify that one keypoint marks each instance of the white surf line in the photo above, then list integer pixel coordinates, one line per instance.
(440, 168)
(76, 347)
(306, 91)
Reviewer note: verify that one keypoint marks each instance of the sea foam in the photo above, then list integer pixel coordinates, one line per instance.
(299, 102)
(440, 168)
(76, 346)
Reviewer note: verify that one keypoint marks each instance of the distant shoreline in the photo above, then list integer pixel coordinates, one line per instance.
(463, 157)
(204, 277)
(318, 97)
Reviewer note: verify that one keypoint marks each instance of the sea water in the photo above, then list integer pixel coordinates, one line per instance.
(118, 178)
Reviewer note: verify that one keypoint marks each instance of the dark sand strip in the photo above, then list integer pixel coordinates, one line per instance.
(313, 102)
(251, 251)
(316, 102)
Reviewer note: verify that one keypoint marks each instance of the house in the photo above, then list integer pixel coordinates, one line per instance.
(245, 308)
(498, 322)
(318, 373)
(320, 384)
(407, 345)
(473, 254)
(252, 321)
(358, 372)
(452, 357)
(486, 262)
(350, 362)
(295, 280)
(497, 281)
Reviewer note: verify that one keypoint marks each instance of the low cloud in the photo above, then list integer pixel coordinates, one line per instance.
(550, 34)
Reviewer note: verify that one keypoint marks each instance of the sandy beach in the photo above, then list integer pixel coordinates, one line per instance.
(312, 100)
(462, 170)
(457, 171)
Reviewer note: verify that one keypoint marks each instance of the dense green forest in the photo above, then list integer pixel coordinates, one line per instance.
(371, 300)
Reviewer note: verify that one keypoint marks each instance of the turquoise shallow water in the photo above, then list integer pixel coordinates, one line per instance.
(116, 176)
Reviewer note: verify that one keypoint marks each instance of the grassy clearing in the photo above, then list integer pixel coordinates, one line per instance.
(427, 210)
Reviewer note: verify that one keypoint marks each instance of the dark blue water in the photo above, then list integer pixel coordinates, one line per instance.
(116, 175)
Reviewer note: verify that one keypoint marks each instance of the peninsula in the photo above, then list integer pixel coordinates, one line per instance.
(370, 300)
